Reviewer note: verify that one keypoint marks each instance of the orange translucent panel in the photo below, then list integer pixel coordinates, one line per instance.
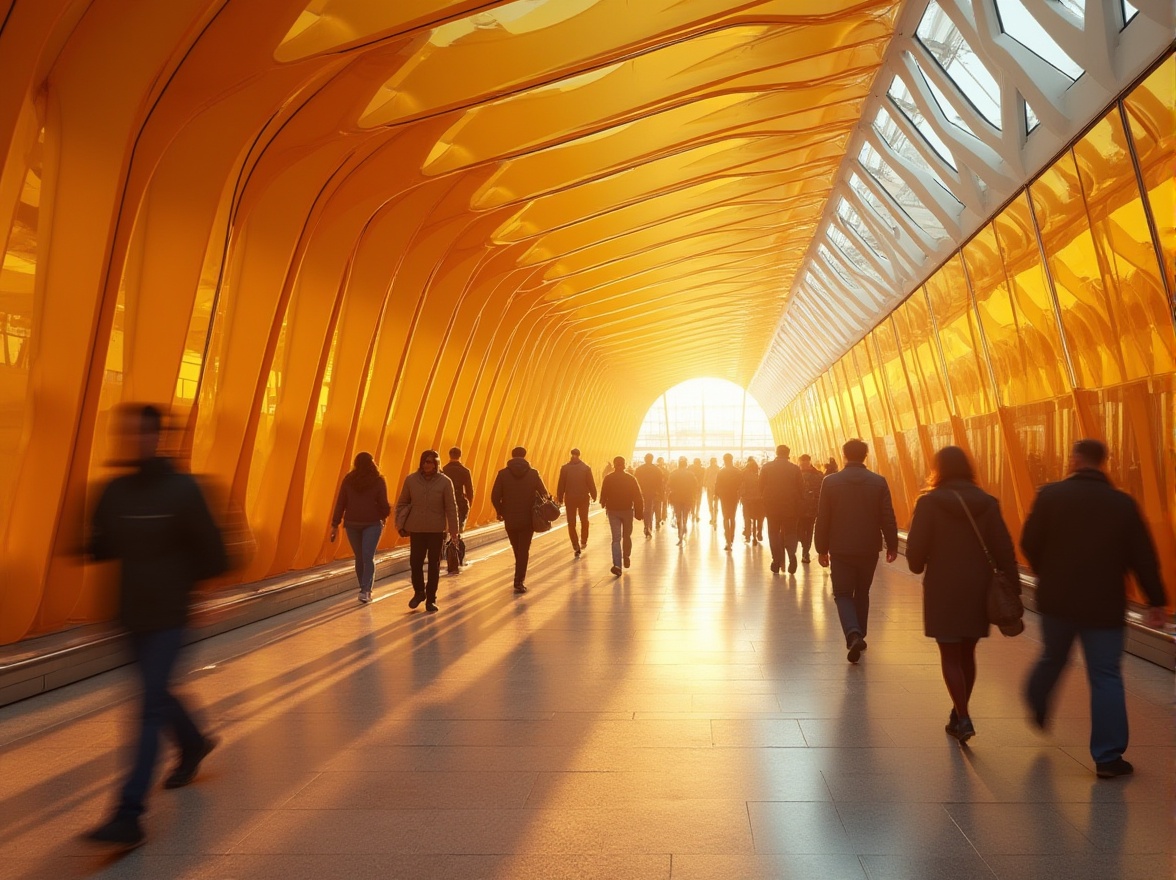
(959, 337)
(1151, 109)
(894, 376)
(871, 385)
(920, 354)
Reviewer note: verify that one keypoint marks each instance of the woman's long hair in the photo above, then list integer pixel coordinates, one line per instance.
(752, 464)
(950, 463)
(364, 474)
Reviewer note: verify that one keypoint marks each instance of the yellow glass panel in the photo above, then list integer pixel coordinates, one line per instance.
(920, 354)
(959, 337)
(894, 376)
(1151, 108)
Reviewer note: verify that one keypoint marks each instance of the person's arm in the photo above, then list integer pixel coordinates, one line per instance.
(204, 535)
(100, 545)
(403, 505)
(561, 484)
(1145, 564)
(467, 486)
(340, 508)
(638, 499)
(823, 524)
(1033, 531)
(604, 493)
(918, 543)
(889, 523)
(1000, 545)
(591, 485)
(382, 505)
(496, 495)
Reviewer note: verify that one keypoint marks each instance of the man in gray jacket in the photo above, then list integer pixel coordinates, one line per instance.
(578, 487)
(854, 517)
(425, 509)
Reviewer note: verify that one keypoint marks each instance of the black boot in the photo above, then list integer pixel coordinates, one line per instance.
(431, 600)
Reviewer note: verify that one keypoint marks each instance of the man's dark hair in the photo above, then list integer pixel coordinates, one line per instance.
(455, 452)
(151, 419)
(805, 457)
(649, 458)
(855, 450)
(783, 451)
(518, 452)
(619, 463)
(1090, 452)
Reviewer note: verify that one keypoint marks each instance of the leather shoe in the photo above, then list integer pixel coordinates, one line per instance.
(856, 646)
(616, 570)
(185, 771)
(520, 588)
(775, 567)
(1111, 769)
(416, 600)
(124, 832)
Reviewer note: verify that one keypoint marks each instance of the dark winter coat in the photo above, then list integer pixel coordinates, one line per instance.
(682, 488)
(463, 485)
(576, 483)
(942, 543)
(780, 485)
(810, 492)
(728, 484)
(854, 513)
(361, 502)
(513, 494)
(620, 492)
(157, 524)
(652, 481)
(1081, 538)
(427, 505)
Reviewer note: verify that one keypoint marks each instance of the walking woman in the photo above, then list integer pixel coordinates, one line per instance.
(425, 508)
(362, 507)
(943, 542)
(753, 503)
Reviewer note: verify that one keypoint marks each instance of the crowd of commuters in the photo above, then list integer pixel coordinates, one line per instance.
(1082, 538)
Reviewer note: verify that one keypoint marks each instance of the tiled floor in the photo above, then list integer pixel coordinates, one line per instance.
(694, 719)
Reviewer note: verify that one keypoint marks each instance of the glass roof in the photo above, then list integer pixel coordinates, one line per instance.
(905, 103)
(1019, 23)
(901, 191)
(885, 125)
(959, 61)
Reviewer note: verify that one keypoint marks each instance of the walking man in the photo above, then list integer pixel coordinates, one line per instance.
(728, 483)
(513, 497)
(810, 493)
(577, 485)
(1081, 538)
(653, 485)
(463, 485)
(682, 490)
(708, 483)
(620, 496)
(699, 472)
(156, 523)
(780, 484)
(854, 517)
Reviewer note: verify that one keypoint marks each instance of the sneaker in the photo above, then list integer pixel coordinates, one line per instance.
(577, 554)
(775, 567)
(520, 588)
(792, 565)
(124, 832)
(964, 730)
(616, 570)
(365, 597)
(416, 600)
(626, 562)
(953, 721)
(856, 645)
(185, 771)
(583, 542)
(431, 605)
(1111, 769)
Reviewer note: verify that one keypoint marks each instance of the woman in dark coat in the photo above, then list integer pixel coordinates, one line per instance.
(955, 588)
(362, 507)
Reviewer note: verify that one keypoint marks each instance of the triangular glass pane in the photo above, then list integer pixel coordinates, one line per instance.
(945, 105)
(841, 243)
(948, 46)
(1018, 23)
(881, 171)
(867, 195)
(902, 98)
(885, 125)
(846, 212)
(1031, 120)
(1129, 12)
(1077, 8)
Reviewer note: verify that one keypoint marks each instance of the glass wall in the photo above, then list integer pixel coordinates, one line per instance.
(1054, 322)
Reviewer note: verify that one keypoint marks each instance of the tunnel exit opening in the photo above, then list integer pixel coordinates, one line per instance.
(705, 418)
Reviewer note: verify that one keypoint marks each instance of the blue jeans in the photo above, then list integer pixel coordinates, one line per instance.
(1103, 650)
(852, 575)
(621, 523)
(363, 541)
(155, 658)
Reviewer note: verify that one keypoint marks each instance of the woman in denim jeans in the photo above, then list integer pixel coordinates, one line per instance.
(362, 507)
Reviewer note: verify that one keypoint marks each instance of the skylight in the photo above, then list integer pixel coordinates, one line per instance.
(1019, 23)
(905, 102)
(885, 125)
(881, 171)
(948, 46)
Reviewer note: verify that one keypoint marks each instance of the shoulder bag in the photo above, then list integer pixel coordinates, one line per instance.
(1005, 609)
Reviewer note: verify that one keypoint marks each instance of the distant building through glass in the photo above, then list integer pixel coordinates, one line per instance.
(706, 418)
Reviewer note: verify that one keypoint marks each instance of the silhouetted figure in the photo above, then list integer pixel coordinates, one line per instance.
(854, 517)
(513, 496)
(831, 466)
(620, 496)
(463, 485)
(728, 485)
(708, 483)
(156, 523)
(699, 473)
(780, 484)
(1082, 537)
(425, 509)
(810, 494)
(663, 506)
(362, 507)
(753, 503)
(577, 487)
(652, 481)
(943, 542)
(682, 490)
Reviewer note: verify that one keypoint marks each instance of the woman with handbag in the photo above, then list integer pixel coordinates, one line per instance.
(956, 529)
(362, 507)
(425, 508)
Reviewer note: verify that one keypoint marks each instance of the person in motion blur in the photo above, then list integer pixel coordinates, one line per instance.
(463, 485)
(577, 486)
(683, 491)
(362, 507)
(653, 487)
(831, 466)
(728, 485)
(425, 509)
(855, 516)
(513, 496)
(1082, 537)
(780, 483)
(156, 523)
(699, 473)
(620, 496)
(663, 504)
(708, 483)
(943, 542)
(753, 503)
(810, 493)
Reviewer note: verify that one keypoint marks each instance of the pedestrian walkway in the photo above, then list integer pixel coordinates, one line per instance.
(695, 718)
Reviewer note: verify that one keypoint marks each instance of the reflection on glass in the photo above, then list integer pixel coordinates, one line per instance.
(948, 46)
(867, 195)
(842, 243)
(960, 339)
(1019, 23)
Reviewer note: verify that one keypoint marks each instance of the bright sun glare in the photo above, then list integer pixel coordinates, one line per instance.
(705, 418)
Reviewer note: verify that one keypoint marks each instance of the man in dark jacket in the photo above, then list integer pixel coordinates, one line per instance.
(463, 485)
(620, 496)
(652, 481)
(854, 517)
(576, 485)
(728, 484)
(1082, 537)
(513, 496)
(156, 523)
(780, 484)
(810, 494)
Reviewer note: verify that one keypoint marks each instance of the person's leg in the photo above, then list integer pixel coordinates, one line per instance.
(804, 528)
(355, 539)
(1103, 650)
(433, 541)
(729, 520)
(843, 573)
(968, 662)
(788, 528)
(712, 503)
(626, 537)
(866, 566)
(582, 513)
(775, 540)
(616, 526)
(521, 542)
(418, 547)
(371, 538)
(952, 664)
(1057, 637)
(572, 533)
